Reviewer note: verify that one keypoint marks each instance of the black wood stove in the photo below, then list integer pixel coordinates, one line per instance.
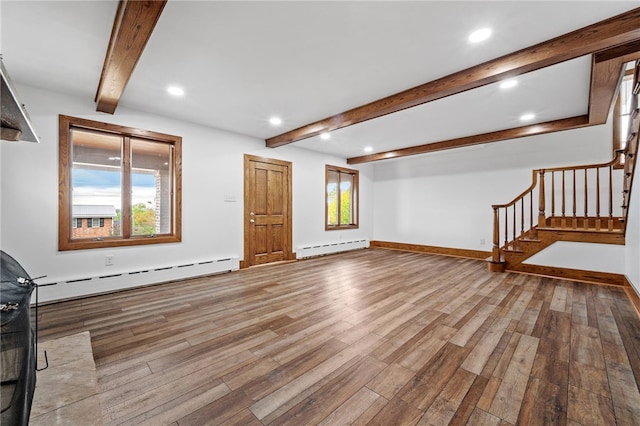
(17, 343)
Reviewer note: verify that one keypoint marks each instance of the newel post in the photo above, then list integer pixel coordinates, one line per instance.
(495, 252)
(541, 202)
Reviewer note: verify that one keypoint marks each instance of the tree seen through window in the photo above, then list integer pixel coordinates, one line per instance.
(341, 196)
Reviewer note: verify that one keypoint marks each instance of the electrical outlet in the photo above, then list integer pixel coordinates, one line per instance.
(108, 260)
(482, 241)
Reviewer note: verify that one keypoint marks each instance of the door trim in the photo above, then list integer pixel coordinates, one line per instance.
(288, 253)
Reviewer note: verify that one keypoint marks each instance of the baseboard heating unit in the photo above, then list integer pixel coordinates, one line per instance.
(330, 248)
(86, 286)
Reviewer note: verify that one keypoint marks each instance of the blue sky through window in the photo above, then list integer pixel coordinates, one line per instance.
(103, 187)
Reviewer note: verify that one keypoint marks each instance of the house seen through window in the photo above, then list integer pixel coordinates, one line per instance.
(91, 221)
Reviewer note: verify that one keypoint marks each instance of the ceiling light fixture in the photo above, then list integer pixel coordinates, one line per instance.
(325, 136)
(368, 149)
(527, 117)
(175, 90)
(480, 35)
(508, 84)
(276, 121)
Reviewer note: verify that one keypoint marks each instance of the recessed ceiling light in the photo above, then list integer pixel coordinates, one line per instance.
(527, 117)
(508, 84)
(276, 121)
(368, 149)
(325, 136)
(175, 90)
(480, 35)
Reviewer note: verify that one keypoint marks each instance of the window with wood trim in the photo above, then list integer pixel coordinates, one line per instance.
(126, 181)
(341, 195)
(622, 114)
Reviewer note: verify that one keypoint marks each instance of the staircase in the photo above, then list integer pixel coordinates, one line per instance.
(579, 203)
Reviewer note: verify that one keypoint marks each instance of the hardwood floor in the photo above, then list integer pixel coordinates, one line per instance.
(368, 337)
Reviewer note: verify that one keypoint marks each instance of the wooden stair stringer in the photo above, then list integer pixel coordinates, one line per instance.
(547, 236)
(591, 277)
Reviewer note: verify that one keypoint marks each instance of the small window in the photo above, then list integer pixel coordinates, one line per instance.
(341, 208)
(622, 114)
(130, 179)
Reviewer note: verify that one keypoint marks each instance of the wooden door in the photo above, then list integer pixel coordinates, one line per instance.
(267, 210)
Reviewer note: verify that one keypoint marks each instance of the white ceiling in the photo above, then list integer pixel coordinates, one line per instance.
(242, 62)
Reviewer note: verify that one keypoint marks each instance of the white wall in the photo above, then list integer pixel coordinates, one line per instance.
(444, 198)
(213, 164)
(632, 253)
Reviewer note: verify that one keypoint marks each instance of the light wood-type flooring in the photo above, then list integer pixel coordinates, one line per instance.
(372, 336)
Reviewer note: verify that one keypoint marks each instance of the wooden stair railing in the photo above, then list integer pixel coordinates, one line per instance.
(631, 147)
(575, 194)
(578, 203)
(578, 195)
(508, 213)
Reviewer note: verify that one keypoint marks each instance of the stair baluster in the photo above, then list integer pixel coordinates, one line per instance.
(598, 223)
(553, 194)
(564, 203)
(585, 222)
(574, 222)
(610, 200)
(541, 203)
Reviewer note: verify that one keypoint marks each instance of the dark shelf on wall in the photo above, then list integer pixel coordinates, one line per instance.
(15, 123)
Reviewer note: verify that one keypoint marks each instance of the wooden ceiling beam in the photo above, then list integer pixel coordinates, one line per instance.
(607, 71)
(627, 52)
(605, 81)
(616, 31)
(500, 135)
(132, 27)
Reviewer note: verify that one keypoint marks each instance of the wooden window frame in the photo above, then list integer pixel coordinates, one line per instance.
(65, 164)
(355, 198)
(617, 127)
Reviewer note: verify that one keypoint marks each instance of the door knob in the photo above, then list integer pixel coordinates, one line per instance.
(252, 221)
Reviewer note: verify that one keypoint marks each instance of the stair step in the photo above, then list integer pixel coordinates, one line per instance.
(516, 248)
(593, 230)
(511, 249)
